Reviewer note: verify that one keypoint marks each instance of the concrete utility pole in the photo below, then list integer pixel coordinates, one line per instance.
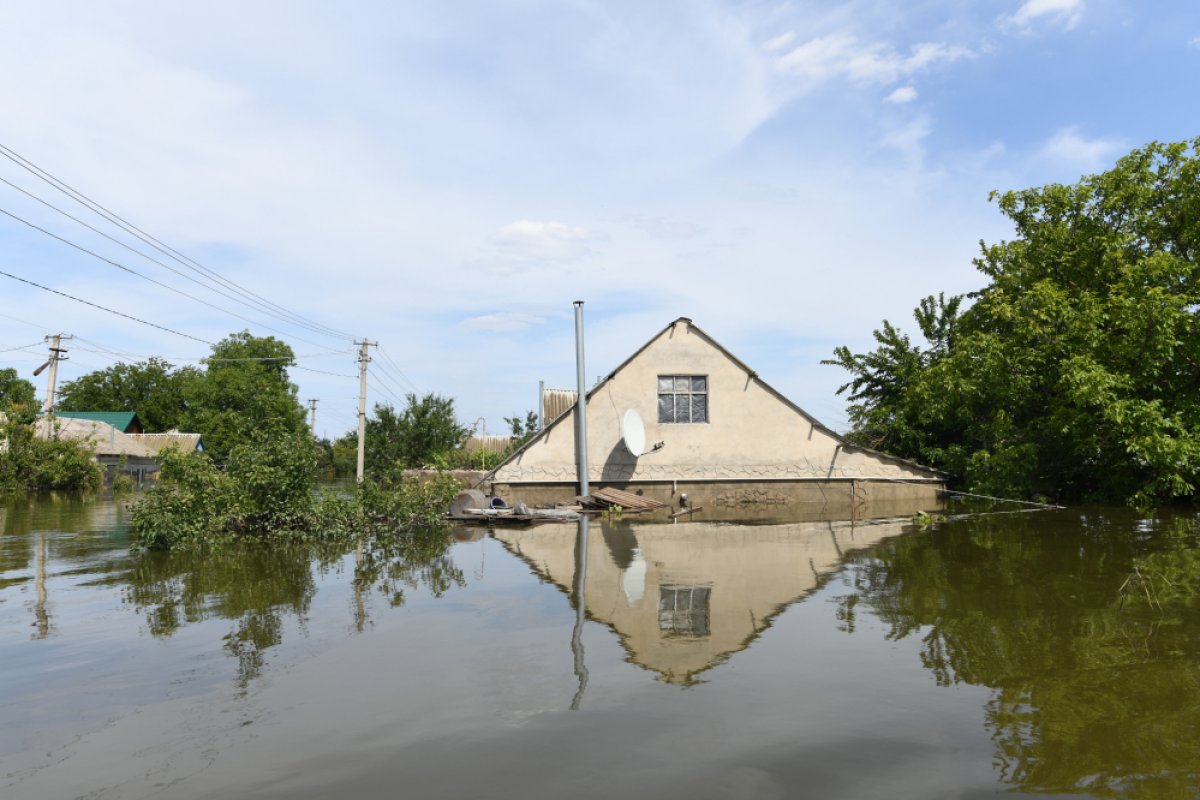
(363, 360)
(56, 355)
(312, 418)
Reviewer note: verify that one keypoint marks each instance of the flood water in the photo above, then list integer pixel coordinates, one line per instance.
(967, 658)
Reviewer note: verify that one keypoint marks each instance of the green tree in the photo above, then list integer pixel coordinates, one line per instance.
(17, 395)
(424, 432)
(522, 429)
(153, 388)
(244, 392)
(1074, 371)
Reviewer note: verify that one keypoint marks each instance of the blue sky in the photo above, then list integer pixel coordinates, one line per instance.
(446, 178)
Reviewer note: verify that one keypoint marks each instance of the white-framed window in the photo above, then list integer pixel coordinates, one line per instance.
(683, 398)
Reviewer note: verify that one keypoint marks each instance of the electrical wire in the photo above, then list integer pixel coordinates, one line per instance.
(384, 392)
(388, 358)
(391, 389)
(163, 248)
(105, 308)
(143, 276)
(153, 260)
(22, 347)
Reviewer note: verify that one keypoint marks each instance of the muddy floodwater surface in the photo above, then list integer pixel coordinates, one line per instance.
(1055, 652)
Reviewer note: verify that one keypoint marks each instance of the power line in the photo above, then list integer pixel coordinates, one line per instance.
(22, 347)
(388, 358)
(387, 388)
(24, 321)
(153, 260)
(143, 276)
(323, 372)
(105, 308)
(162, 247)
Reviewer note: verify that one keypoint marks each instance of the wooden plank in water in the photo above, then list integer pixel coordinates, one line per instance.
(616, 497)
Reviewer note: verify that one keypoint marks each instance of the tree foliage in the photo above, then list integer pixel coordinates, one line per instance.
(154, 389)
(267, 490)
(1073, 372)
(30, 464)
(419, 436)
(244, 393)
(17, 396)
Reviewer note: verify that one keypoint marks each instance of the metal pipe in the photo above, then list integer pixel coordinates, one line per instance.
(580, 403)
(541, 406)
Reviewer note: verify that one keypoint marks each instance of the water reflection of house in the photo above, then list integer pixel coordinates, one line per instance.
(730, 441)
(683, 598)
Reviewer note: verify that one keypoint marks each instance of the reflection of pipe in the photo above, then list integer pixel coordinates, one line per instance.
(39, 609)
(581, 545)
(360, 608)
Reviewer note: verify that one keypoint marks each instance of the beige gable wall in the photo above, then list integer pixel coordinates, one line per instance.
(752, 433)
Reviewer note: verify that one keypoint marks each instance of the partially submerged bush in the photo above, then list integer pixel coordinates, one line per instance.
(268, 491)
(30, 464)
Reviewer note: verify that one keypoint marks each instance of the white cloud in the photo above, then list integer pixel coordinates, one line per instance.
(1065, 13)
(843, 55)
(1071, 149)
(543, 240)
(779, 42)
(905, 94)
(1195, 42)
(503, 322)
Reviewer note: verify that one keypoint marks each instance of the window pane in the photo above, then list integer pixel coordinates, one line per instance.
(682, 384)
(682, 408)
(699, 384)
(666, 408)
(699, 408)
(666, 384)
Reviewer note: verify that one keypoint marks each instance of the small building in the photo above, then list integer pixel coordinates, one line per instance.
(729, 442)
(115, 451)
(157, 442)
(123, 421)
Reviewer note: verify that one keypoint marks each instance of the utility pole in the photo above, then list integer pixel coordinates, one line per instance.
(56, 355)
(312, 419)
(363, 360)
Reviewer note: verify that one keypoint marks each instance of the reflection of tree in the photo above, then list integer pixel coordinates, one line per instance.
(1089, 696)
(259, 586)
(419, 558)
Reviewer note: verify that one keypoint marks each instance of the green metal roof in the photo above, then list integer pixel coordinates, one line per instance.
(121, 420)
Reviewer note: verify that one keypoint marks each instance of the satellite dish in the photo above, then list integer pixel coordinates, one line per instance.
(633, 433)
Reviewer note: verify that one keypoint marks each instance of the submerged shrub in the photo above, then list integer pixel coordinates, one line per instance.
(267, 491)
(30, 464)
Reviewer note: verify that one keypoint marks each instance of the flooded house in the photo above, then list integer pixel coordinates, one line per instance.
(709, 432)
(117, 441)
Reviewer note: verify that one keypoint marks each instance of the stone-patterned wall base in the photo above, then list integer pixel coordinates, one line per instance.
(742, 500)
